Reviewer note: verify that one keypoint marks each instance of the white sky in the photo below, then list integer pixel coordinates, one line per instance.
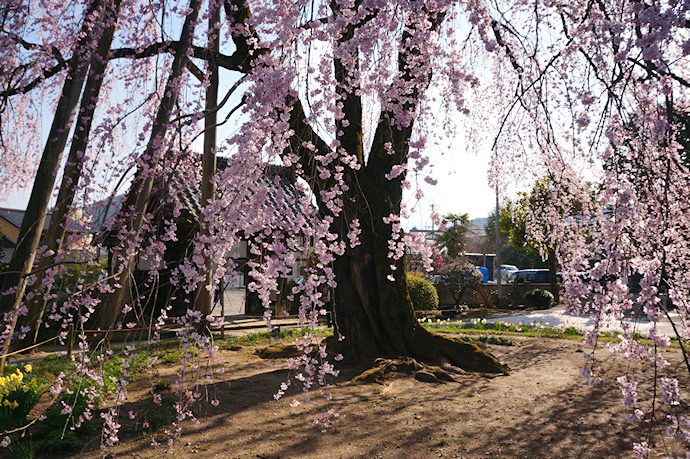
(462, 188)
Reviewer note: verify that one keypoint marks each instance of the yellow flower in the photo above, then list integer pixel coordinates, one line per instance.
(30, 385)
(28, 368)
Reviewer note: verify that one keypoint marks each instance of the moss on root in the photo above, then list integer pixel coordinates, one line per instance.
(386, 369)
(278, 351)
(441, 350)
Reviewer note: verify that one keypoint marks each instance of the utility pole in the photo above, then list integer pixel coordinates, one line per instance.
(433, 226)
(497, 258)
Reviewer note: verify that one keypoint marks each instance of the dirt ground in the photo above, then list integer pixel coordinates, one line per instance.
(542, 409)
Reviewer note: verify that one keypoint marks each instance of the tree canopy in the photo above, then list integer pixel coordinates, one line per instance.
(346, 95)
(454, 238)
(533, 236)
(512, 254)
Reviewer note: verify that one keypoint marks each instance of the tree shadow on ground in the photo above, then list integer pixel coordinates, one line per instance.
(542, 409)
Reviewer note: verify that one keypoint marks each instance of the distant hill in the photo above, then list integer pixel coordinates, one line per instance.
(480, 222)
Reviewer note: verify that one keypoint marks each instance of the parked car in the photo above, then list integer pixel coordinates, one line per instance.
(506, 271)
(484, 272)
(536, 276)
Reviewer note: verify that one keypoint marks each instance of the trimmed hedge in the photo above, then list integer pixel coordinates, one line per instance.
(424, 295)
(538, 298)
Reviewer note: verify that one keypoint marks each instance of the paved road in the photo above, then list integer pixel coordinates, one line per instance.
(558, 316)
(234, 306)
(234, 303)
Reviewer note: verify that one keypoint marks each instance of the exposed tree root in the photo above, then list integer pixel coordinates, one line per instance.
(430, 358)
(452, 355)
(453, 352)
(278, 351)
(284, 351)
(444, 352)
(387, 369)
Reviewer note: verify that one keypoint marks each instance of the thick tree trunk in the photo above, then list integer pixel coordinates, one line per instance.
(553, 278)
(72, 173)
(208, 166)
(375, 314)
(376, 318)
(35, 215)
(112, 305)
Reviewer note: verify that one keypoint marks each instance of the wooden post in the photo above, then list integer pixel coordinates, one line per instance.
(70, 340)
(8, 341)
(222, 307)
(142, 186)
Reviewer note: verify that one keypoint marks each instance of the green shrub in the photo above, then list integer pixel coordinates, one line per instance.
(423, 295)
(157, 417)
(22, 448)
(538, 298)
(58, 433)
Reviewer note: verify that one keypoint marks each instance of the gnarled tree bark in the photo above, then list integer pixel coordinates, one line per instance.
(22, 261)
(72, 173)
(373, 313)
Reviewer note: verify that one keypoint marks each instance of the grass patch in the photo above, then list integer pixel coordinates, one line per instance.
(498, 340)
(266, 337)
(469, 329)
(473, 326)
(45, 370)
(166, 352)
(156, 417)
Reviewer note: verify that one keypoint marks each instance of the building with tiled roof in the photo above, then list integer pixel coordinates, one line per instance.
(10, 223)
(283, 194)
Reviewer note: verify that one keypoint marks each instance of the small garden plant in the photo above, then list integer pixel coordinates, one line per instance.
(18, 395)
